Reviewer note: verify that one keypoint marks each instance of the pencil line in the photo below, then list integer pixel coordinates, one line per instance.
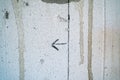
(68, 38)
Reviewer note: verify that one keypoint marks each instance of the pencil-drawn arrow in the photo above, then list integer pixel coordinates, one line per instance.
(55, 43)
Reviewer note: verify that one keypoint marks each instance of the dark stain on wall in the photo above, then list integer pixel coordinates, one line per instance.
(26, 3)
(41, 61)
(7, 15)
(17, 7)
(90, 27)
(17, 0)
(59, 1)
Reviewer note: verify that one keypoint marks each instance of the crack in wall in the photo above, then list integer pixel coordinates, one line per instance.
(18, 16)
(90, 26)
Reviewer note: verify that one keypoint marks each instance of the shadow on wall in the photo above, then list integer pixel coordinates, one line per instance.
(59, 1)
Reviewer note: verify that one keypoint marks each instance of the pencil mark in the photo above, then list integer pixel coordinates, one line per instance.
(55, 43)
(68, 16)
(68, 69)
(90, 25)
(61, 19)
(20, 27)
(61, 43)
(59, 1)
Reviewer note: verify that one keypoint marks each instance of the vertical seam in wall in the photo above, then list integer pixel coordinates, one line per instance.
(104, 56)
(90, 26)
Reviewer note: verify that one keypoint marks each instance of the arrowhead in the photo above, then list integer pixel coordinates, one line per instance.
(53, 44)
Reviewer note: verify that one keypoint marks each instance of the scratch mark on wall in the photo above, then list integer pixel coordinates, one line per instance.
(18, 16)
(80, 7)
(90, 25)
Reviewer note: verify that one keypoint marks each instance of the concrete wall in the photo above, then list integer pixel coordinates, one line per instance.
(59, 40)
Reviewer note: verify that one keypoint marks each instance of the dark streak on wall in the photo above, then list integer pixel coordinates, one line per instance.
(6, 15)
(18, 16)
(90, 26)
(80, 7)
